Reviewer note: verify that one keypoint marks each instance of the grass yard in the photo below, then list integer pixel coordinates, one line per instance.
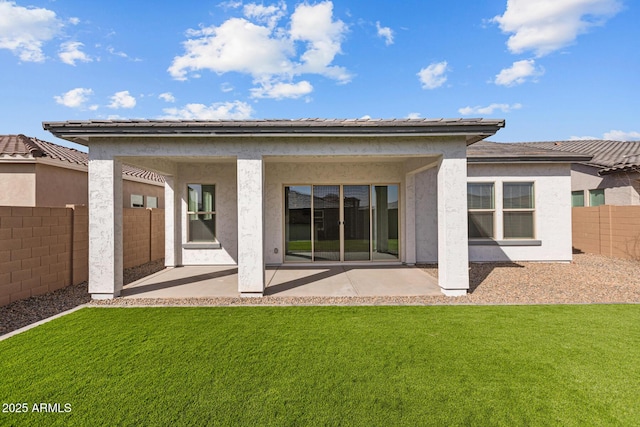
(441, 365)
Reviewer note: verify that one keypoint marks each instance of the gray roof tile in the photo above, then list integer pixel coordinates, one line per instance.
(20, 146)
(608, 156)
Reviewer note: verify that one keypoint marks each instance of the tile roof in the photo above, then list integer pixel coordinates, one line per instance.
(608, 156)
(477, 128)
(20, 146)
(495, 152)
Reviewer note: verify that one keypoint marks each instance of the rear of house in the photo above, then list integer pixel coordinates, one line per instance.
(318, 192)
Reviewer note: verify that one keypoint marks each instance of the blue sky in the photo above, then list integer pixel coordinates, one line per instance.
(554, 69)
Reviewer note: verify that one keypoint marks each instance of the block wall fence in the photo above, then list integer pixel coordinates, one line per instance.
(612, 231)
(45, 249)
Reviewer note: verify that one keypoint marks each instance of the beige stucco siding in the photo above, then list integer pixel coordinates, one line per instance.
(57, 187)
(620, 189)
(143, 189)
(17, 184)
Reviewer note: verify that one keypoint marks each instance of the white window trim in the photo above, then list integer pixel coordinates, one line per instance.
(493, 184)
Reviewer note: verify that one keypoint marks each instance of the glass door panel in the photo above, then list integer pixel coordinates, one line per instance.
(357, 244)
(384, 214)
(326, 223)
(297, 228)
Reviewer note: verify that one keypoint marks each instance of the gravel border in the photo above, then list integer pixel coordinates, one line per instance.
(589, 279)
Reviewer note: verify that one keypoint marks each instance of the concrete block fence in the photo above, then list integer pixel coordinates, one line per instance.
(612, 231)
(45, 249)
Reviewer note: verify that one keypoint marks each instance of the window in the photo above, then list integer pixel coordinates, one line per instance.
(596, 197)
(201, 212)
(480, 202)
(577, 199)
(137, 201)
(152, 202)
(518, 208)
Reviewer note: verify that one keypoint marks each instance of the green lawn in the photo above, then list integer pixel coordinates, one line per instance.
(442, 365)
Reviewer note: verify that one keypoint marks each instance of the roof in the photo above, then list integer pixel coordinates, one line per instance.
(24, 147)
(80, 131)
(608, 156)
(494, 152)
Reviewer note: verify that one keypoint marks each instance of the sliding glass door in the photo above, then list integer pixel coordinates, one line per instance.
(357, 245)
(329, 223)
(326, 223)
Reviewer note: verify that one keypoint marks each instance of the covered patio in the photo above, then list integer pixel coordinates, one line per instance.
(257, 193)
(286, 281)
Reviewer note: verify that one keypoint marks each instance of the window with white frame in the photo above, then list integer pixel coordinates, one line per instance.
(137, 201)
(518, 210)
(152, 202)
(596, 197)
(577, 199)
(201, 212)
(481, 205)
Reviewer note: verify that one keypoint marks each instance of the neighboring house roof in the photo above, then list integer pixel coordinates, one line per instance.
(497, 152)
(79, 131)
(607, 156)
(25, 148)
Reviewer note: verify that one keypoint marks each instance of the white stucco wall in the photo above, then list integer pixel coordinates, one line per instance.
(223, 176)
(552, 183)
(619, 189)
(552, 217)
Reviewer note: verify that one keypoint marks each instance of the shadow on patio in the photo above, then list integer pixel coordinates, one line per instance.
(289, 281)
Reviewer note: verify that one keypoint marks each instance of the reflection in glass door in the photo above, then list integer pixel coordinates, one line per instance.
(357, 245)
(297, 225)
(384, 213)
(326, 223)
(341, 223)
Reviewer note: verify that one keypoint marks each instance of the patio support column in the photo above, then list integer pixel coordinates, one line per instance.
(250, 170)
(105, 225)
(172, 247)
(410, 219)
(453, 247)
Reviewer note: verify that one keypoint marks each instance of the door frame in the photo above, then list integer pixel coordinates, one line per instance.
(341, 260)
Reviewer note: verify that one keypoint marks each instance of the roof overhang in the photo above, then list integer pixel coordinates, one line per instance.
(82, 132)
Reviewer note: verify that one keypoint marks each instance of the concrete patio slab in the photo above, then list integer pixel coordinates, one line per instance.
(287, 281)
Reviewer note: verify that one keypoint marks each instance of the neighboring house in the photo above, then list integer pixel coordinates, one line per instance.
(325, 192)
(611, 177)
(39, 173)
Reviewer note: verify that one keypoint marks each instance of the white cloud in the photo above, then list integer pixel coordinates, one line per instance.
(582, 138)
(74, 21)
(121, 54)
(167, 97)
(23, 30)
(434, 75)
(618, 135)
(236, 110)
(544, 26)
(70, 53)
(122, 100)
(519, 72)
(75, 98)
(489, 109)
(386, 33)
(282, 90)
(256, 45)
(414, 116)
(314, 25)
(269, 15)
(365, 117)
(226, 87)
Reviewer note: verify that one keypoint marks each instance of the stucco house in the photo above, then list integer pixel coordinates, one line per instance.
(34, 172)
(611, 177)
(312, 191)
